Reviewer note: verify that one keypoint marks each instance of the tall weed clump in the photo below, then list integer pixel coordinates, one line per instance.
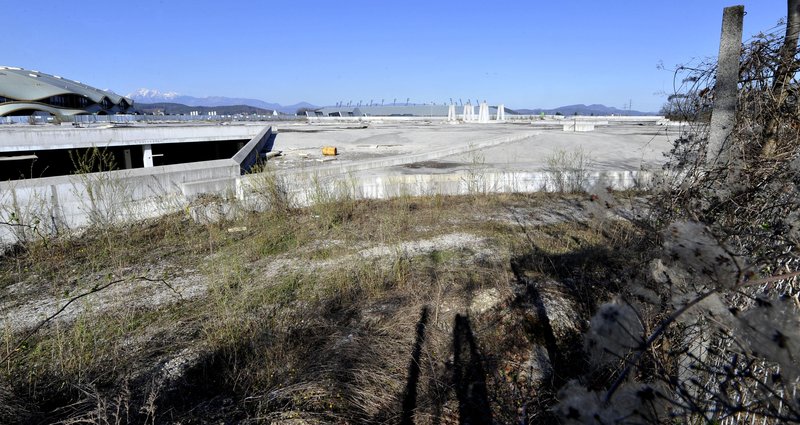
(107, 200)
(271, 188)
(568, 171)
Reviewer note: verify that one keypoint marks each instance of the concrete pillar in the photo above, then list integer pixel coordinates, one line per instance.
(469, 112)
(126, 154)
(451, 113)
(148, 155)
(483, 113)
(501, 112)
(726, 87)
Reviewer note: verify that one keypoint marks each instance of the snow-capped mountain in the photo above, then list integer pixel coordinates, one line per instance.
(151, 95)
(144, 95)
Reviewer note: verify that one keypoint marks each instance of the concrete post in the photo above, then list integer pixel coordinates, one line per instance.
(726, 88)
(718, 154)
(451, 113)
(469, 113)
(147, 155)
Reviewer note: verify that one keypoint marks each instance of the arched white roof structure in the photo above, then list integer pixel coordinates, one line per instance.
(23, 92)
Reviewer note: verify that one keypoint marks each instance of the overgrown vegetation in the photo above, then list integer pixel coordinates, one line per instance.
(708, 332)
(291, 313)
(577, 308)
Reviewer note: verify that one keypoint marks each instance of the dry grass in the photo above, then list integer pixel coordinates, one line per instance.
(307, 313)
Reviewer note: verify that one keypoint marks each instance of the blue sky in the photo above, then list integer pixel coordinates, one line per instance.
(523, 53)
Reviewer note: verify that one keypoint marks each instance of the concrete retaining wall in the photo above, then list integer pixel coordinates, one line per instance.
(60, 204)
(307, 189)
(473, 182)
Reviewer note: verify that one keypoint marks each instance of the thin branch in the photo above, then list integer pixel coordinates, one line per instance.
(671, 319)
(164, 281)
(653, 337)
(770, 279)
(53, 316)
(33, 227)
(95, 289)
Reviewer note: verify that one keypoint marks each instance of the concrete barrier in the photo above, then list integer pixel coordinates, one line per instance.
(578, 126)
(259, 145)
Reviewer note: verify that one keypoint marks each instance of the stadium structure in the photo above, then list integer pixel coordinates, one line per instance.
(27, 92)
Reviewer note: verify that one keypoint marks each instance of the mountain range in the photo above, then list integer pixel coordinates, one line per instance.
(581, 109)
(170, 108)
(151, 96)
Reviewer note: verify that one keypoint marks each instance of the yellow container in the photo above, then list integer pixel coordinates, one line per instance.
(329, 150)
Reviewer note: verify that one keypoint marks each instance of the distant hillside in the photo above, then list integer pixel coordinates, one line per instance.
(178, 109)
(154, 96)
(582, 109)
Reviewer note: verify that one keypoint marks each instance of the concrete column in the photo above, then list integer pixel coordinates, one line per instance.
(726, 88)
(469, 112)
(126, 153)
(501, 112)
(483, 113)
(148, 155)
(451, 113)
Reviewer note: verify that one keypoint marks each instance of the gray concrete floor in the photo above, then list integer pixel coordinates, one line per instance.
(617, 146)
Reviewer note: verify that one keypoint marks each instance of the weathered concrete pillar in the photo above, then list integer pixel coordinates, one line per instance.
(148, 155)
(724, 113)
(501, 112)
(451, 113)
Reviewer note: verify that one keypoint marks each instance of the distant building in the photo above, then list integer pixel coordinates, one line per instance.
(26, 92)
(392, 111)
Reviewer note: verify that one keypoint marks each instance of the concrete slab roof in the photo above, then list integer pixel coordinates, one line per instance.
(34, 138)
(620, 146)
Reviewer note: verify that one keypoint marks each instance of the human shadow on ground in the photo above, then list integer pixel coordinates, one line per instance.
(469, 376)
(410, 395)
